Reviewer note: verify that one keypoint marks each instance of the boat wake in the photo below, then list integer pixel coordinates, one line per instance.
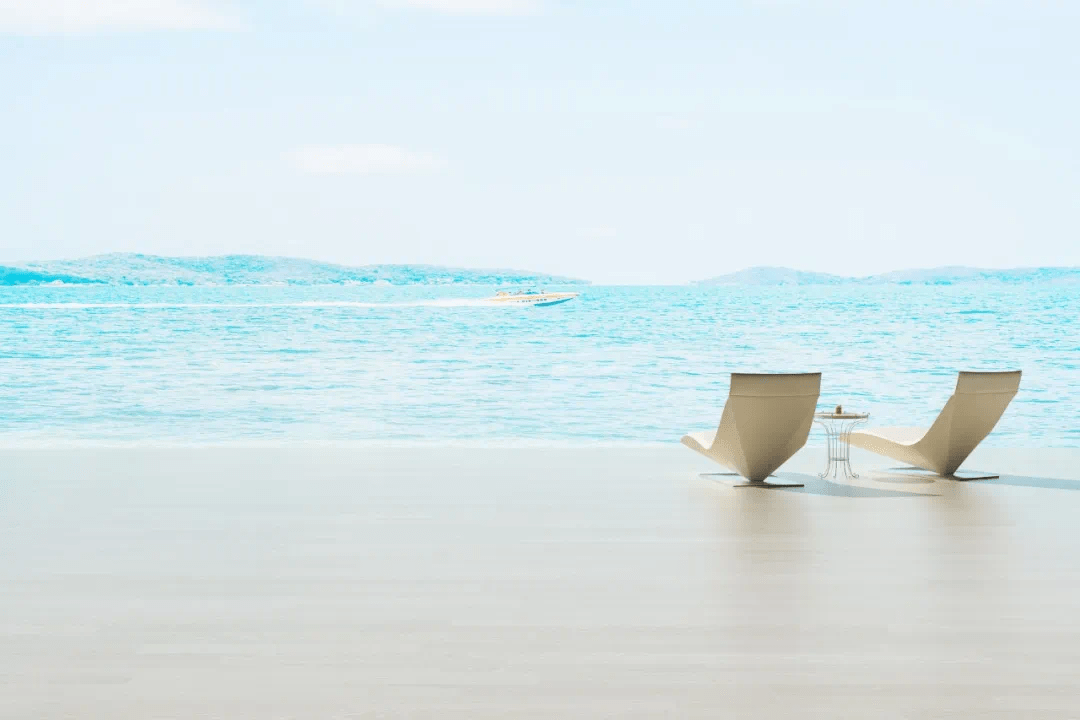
(438, 303)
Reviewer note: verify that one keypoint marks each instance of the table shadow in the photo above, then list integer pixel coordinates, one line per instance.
(1033, 482)
(906, 480)
(1044, 483)
(814, 485)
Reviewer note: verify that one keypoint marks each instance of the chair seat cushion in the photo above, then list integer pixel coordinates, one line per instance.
(704, 439)
(900, 435)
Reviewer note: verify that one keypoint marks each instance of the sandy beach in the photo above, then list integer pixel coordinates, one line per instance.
(454, 583)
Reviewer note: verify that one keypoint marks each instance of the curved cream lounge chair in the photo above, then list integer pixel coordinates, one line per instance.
(969, 416)
(765, 421)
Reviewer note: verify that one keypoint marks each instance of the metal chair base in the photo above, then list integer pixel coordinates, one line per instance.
(767, 485)
(962, 477)
(760, 484)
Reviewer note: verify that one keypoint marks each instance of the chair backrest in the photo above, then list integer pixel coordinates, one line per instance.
(766, 419)
(970, 414)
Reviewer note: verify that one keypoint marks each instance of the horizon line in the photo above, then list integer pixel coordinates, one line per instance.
(15, 264)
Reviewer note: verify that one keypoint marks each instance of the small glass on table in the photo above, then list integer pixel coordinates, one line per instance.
(838, 425)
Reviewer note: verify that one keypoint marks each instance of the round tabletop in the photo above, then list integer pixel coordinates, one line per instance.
(841, 416)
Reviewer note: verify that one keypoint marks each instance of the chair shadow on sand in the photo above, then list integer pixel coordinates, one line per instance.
(896, 476)
(814, 485)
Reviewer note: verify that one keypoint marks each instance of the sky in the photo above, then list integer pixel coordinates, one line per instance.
(623, 141)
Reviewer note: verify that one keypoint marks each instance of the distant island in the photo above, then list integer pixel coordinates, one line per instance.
(931, 276)
(136, 269)
(139, 269)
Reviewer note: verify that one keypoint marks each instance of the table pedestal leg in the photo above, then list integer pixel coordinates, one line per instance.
(838, 448)
(829, 452)
(845, 441)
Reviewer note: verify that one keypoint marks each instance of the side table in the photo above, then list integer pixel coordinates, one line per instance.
(838, 427)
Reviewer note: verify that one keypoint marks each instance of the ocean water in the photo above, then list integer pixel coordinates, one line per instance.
(111, 363)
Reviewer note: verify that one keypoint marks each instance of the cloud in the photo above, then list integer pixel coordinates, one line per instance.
(675, 121)
(42, 17)
(599, 233)
(361, 160)
(468, 7)
(445, 7)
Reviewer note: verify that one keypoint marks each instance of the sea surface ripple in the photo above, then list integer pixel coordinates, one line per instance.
(104, 364)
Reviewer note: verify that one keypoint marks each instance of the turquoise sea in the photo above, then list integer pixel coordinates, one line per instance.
(421, 358)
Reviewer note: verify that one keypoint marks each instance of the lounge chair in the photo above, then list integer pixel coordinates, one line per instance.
(969, 416)
(766, 420)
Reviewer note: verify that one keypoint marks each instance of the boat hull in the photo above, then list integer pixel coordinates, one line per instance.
(548, 303)
(538, 300)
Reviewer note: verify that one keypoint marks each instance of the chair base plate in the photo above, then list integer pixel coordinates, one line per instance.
(767, 485)
(762, 484)
(962, 477)
(723, 474)
(972, 477)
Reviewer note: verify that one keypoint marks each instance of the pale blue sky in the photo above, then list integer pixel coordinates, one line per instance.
(620, 141)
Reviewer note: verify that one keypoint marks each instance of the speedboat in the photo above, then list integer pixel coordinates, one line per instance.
(531, 297)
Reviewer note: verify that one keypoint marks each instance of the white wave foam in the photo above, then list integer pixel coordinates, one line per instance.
(69, 442)
(439, 303)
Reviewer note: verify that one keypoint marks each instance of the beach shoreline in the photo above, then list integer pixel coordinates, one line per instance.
(530, 582)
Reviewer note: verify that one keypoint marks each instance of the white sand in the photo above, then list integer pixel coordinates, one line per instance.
(339, 583)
